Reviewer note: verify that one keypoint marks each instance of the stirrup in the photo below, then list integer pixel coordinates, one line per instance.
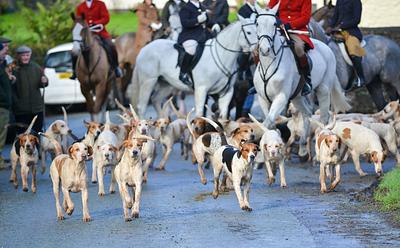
(358, 83)
(73, 76)
(307, 89)
(184, 77)
(252, 91)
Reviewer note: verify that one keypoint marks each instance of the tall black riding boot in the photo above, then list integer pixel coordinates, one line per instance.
(185, 70)
(114, 62)
(74, 58)
(359, 70)
(305, 71)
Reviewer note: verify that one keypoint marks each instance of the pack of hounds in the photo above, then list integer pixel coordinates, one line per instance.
(233, 148)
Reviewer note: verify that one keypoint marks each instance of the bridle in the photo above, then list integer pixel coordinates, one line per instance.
(219, 62)
(278, 54)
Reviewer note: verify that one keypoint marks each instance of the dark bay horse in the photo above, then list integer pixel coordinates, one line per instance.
(381, 63)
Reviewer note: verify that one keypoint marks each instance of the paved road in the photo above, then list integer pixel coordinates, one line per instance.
(178, 211)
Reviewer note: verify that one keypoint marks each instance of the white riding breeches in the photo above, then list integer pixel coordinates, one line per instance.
(190, 46)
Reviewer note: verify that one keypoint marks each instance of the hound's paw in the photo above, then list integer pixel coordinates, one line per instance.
(43, 170)
(101, 194)
(33, 189)
(86, 219)
(129, 205)
(283, 185)
(112, 191)
(204, 181)
(61, 217)
(323, 191)
(135, 215)
(271, 180)
(247, 208)
(215, 194)
(363, 174)
(127, 219)
(24, 189)
(160, 168)
(70, 211)
(15, 185)
(94, 181)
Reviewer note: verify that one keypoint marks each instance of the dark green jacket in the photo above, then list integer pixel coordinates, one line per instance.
(5, 88)
(27, 98)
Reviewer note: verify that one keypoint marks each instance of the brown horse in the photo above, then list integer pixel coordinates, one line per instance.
(93, 70)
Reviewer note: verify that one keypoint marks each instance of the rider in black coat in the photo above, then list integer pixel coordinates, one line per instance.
(194, 21)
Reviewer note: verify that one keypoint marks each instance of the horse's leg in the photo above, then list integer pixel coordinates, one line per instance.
(102, 90)
(85, 89)
(146, 87)
(200, 95)
(391, 91)
(305, 110)
(223, 103)
(277, 106)
(324, 100)
(264, 104)
(376, 92)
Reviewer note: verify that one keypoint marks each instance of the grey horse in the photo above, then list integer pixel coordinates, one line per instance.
(381, 65)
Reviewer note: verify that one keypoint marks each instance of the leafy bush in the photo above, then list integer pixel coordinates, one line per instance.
(388, 192)
(50, 26)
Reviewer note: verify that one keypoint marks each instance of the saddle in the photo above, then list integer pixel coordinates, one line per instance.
(181, 54)
(339, 40)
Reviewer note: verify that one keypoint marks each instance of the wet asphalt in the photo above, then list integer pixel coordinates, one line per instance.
(178, 211)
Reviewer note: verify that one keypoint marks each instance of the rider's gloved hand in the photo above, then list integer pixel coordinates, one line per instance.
(202, 17)
(216, 28)
(155, 26)
(278, 22)
(288, 26)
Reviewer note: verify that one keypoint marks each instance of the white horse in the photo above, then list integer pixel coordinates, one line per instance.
(212, 75)
(276, 77)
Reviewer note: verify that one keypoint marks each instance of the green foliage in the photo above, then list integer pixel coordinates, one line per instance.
(388, 191)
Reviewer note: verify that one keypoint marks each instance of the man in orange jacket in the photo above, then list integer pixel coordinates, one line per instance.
(96, 13)
(295, 15)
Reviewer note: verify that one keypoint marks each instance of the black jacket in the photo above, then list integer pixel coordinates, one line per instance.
(5, 88)
(347, 16)
(218, 11)
(191, 28)
(245, 11)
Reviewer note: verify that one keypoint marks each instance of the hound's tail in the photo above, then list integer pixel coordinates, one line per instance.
(339, 101)
(264, 128)
(178, 114)
(121, 107)
(57, 146)
(189, 125)
(219, 130)
(107, 125)
(28, 131)
(65, 115)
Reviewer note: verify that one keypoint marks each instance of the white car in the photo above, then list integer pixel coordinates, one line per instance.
(58, 69)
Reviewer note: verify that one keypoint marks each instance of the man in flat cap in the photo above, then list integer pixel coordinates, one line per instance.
(27, 99)
(5, 101)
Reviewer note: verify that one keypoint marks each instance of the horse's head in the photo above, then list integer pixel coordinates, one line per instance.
(324, 14)
(266, 28)
(248, 36)
(80, 32)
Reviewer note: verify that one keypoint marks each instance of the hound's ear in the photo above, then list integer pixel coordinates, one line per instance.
(126, 143)
(36, 139)
(54, 128)
(192, 122)
(115, 129)
(86, 123)
(374, 157)
(235, 131)
(114, 148)
(70, 150)
(239, 153)
(20, 140)
(90, 150)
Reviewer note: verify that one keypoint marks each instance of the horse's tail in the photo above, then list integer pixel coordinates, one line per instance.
(339, 102)
(135, 87)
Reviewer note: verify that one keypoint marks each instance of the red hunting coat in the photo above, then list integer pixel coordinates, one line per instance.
(96, 14)
(297, 13)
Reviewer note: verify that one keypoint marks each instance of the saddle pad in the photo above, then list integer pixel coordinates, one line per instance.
(343, 50)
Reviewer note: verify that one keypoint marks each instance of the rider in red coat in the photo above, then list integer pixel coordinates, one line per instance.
(295, 15)
(95, 13)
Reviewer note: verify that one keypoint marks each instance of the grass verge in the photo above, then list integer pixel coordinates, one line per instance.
(388, 192)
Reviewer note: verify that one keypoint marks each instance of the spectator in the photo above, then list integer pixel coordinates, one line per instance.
(5, 101)
(218, 12)
(27, 99)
